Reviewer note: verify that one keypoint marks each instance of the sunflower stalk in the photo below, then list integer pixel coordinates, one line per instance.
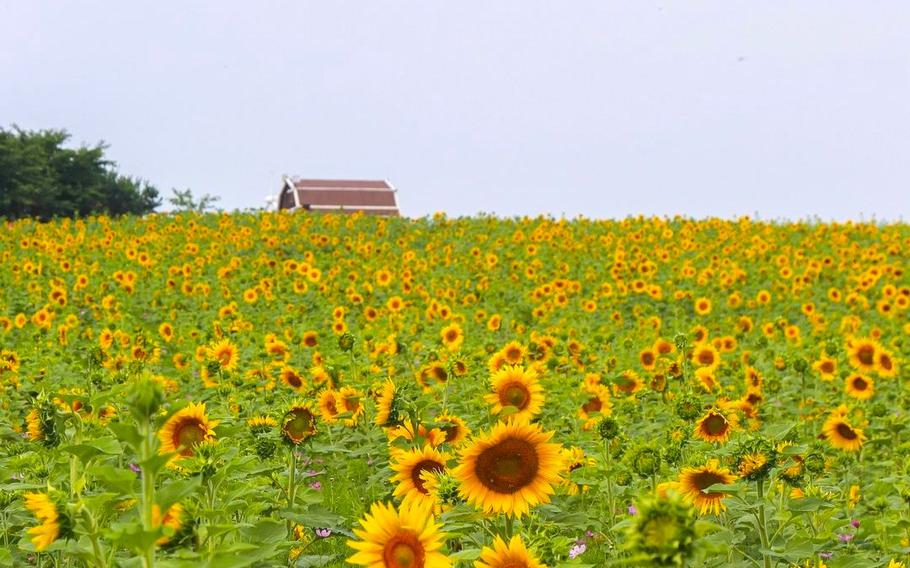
(762, 525)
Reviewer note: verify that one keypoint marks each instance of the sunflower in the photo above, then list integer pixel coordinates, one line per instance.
(714, 427)
(840, 433)
(292, 378)
(511, 555)
(862, 353)
(171, 519)
(298, 423)
(225, 353)
(45, 510)
(597, 404)
(859, 386)
(826, 367)
(455, 429)
(703, 306)
(509, 469)
(884, 364)
(387, 412)
(706, 355)
(707, 379)
(517, 388)
(410, 468)
(351, 403)
(328, 406)
(184, 430)
(33, 421)
(452, 336)
(407, 537)
(514, 352)
(693, 482)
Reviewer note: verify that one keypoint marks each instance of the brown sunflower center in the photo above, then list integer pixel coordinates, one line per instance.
(452, 430)
(294, 380)
(509, 466)
(422, 466)
(866, 354)
(885, 362)
(352, 403)
(714, 425)
(706, 357)
(647, 358)
(704, 479)
(827, 367)
(451, 335)
(860, 383)
(515, 394)
(187, 435)
(846, 432)
(224, 357)
(403, 551)
(593, 405)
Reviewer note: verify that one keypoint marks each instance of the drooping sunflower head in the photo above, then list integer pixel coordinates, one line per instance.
(510, 469)
(695, 481)
(186, 429)
(298, 423)
(410, 469)
(406, 537)
(513, 554)
(516, 390)
(54, 522)
(388, 412)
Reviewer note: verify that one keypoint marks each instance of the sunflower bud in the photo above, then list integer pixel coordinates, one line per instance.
(645, 461)
(346, 341)
(754, 458)
(608, 428)
(663, 532)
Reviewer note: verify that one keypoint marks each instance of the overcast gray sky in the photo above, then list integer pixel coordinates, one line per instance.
(784, 109)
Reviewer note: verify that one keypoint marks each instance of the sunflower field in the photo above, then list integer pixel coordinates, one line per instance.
(262, 389)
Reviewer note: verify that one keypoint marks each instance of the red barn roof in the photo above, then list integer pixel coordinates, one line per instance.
(375, 197)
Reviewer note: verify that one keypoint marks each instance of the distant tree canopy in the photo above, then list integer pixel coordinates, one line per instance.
(40, 178)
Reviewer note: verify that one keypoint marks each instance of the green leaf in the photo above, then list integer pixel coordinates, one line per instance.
(126, 433)
(89, 450)
(174, 491)
(122, 481)
(314, 560)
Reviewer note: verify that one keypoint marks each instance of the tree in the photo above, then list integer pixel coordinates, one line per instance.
(184, 201)
(40, 178)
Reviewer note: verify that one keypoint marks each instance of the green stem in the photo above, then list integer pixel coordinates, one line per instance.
(148, 492)
(509, 527)
(762, 526)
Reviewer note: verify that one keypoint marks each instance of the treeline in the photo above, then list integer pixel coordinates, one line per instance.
(41, 178)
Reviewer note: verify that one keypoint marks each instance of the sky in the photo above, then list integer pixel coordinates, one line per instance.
(780, 110)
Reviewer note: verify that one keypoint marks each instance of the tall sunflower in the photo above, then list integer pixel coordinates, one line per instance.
(694, 481)
(518, 388)
(410, 467)
(510, 469)
(184, 430)
(407, 537)
(511, 555)
(840, 433)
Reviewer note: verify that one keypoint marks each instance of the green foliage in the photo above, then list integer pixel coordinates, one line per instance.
(41, 178)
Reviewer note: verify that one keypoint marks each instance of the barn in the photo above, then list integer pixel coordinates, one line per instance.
(372, 197)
